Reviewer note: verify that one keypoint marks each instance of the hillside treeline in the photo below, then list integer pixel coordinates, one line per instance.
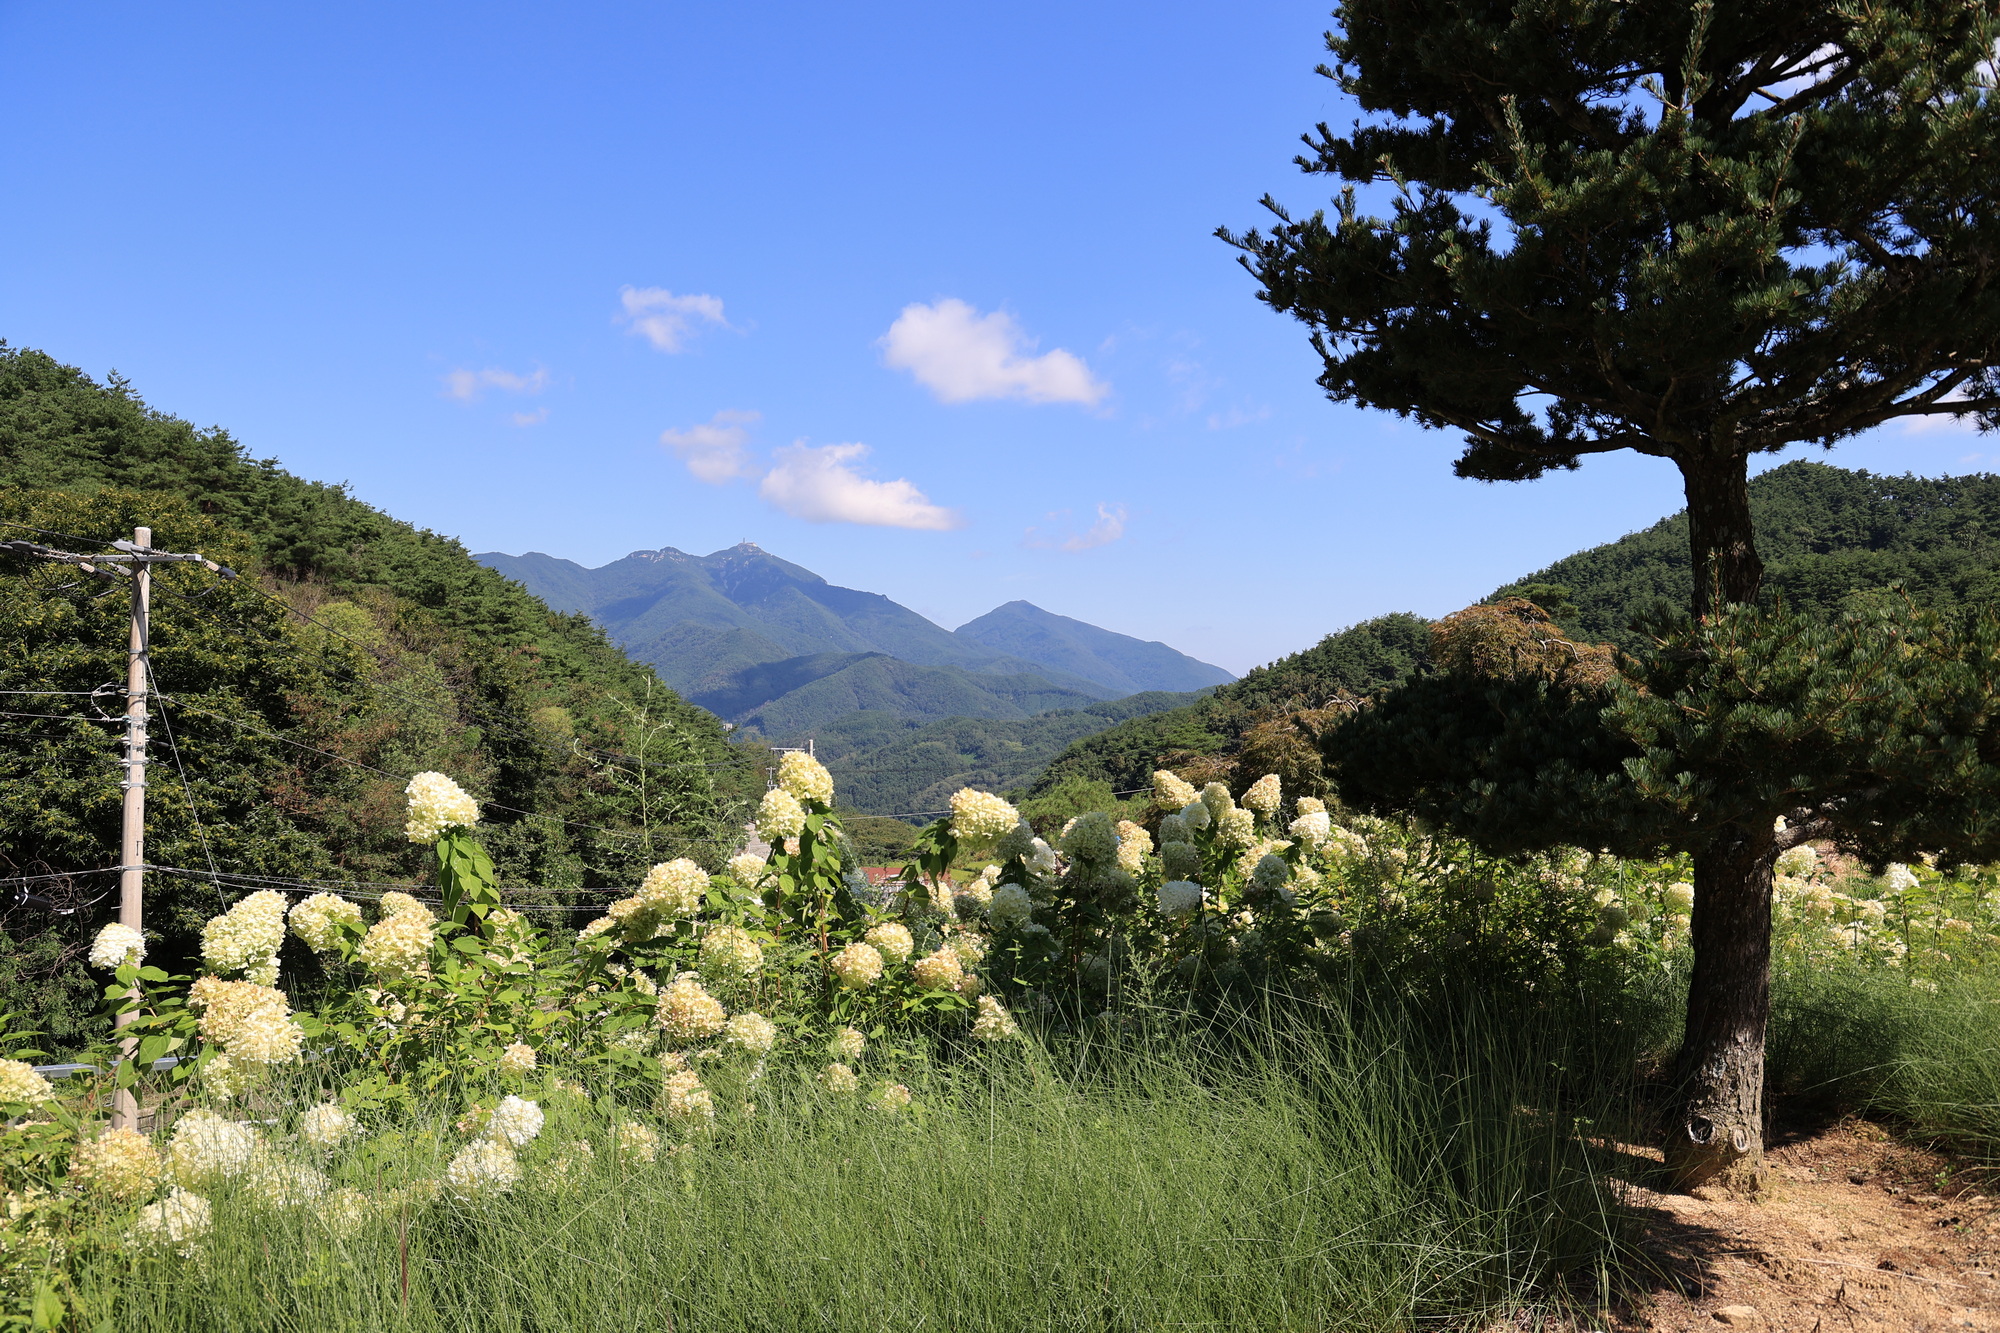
(297, 700)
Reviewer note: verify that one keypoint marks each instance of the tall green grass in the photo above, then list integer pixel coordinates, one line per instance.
(1306, 1171)
(1874, 1040)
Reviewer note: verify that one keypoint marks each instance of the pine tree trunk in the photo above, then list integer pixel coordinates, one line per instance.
(1721, 541)
(1717, 1130)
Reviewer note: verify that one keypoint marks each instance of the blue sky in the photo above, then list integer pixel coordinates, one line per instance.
(922, 297)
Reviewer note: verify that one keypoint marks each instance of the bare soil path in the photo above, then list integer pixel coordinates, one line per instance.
(1858, 1234)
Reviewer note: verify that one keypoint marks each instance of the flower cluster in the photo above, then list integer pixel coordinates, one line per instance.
(20, 1084)
(994, 1023)
(750, 1032)
(688, 1103)
(398, 947)
(1264, 795)
(121, 1164)
(116, 945)
(748, 869)
(178, 1220)
(318, 920)
(675, 888)
(329, 1125)
(938, 971)
(436, 804)
(686, 1012)
(1171, 791)
(980, 818)
(805, 778)
(517, 1059)
(246, 938)
(483, 1168)
(252, 1023)
(856, 967)
(1091, 838)
(205, 1147)
(729, 952)
(892, 939)
(780, 816)
(1134, 846)
(637, 1142)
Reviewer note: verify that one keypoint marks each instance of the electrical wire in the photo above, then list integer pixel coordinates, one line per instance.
(187, 791)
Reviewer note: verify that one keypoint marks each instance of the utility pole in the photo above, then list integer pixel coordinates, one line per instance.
(135, 563)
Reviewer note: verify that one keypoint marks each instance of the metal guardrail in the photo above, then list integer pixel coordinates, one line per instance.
(65, 1071)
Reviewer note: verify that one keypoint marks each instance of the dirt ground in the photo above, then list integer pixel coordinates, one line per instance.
(1858, 1233)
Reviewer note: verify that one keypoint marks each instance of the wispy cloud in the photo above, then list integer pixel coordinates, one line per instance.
(961, 355)
(821, 485)
(1237, 416)
(717, 450)
(468, 386)
(534, 418)
(664, 319)
(1108, 528)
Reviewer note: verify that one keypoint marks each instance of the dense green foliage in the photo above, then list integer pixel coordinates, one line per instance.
(1355, 661)
(421, 659)
(1825, 533)
(893, 765)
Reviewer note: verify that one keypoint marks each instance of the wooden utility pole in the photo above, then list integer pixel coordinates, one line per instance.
(135, 562)
(132, 829)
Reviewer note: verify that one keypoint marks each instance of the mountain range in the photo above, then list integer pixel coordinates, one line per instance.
(772, 647)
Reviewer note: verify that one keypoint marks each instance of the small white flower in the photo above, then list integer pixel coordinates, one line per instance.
(116, 945)
(436, 804)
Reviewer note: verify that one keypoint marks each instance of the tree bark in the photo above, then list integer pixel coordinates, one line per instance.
(1722, 544)
(1717, 1131)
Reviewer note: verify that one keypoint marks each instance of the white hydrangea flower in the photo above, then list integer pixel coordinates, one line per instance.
(515, 1121)
(247, 935)
(1041, 859)
(748, 869)
(116, 945)
(398, 903)
(847, 1044)
(1019, 841)
(317, 920)
(1312, 827)
(1236, 827)
(780, 816)
(1180, 860)
(205, 1147)
(750, 1032)
(1308, 805)
(398, 946)
(687, 1012)
(1679, 899)
(938, 971)
(889, 1098)
(892, 940)
(1264, 795)
(1134, 845)
(1091, 838)
(805, 778)
(676, 888)
(728, 951)
(839, 1078)
(1216, 797)
(979, 818)
(1171, 791)
(517, 1059)
(1179, 898)
(994, 1023)
(856, 967)
(1799, 861)
(1270, 875)
(483, 1168)
(282, 1184)
(329, 1125)
(178, 1220)
(122, 1164)
(1900, 878)
(1011, 908)
(687, 1101)
(1195, 816)
(252, 1022)
(638, 1142)
(19, 1083)
(436, 803)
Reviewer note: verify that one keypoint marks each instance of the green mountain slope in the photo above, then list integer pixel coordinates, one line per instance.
(1826, 534)
(883, 764)
(853, 683)
(293, 740)
(1126, 664)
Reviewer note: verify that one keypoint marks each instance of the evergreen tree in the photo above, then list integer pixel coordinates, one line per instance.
(1700, 231)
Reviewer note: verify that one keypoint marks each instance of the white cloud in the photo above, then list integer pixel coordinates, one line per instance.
(820, 486)
(468, 385)
(1108, 528)
(714, 451)
(961, 355)
(534, 418)
(663, 319)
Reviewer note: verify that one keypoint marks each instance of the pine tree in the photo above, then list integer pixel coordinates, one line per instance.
(1700, 231)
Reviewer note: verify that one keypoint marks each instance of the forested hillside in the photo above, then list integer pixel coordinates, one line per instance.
(281, 746)
(1826, 534)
